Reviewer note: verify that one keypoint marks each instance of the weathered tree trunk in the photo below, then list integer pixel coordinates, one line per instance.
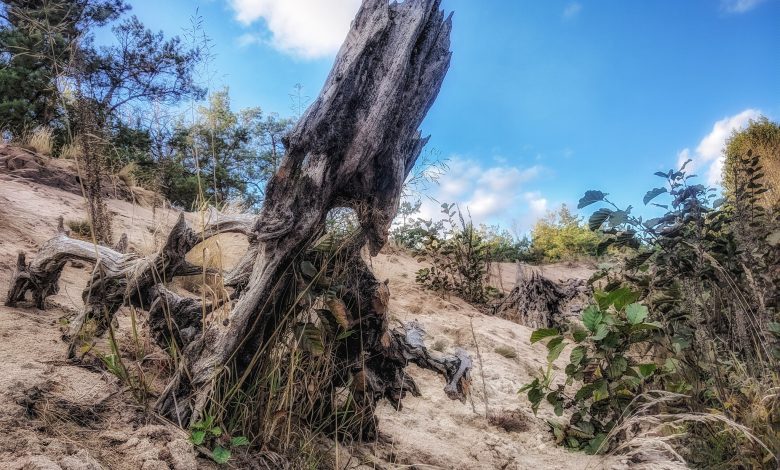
(539, 302)
(352, 148)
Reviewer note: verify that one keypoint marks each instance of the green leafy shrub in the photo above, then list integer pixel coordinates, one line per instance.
(460, 259)
(560, 235)
(706, 268)
(603, 375)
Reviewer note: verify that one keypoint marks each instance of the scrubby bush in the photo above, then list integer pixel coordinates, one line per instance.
(459, 259)
(560, 235)
(706, 269)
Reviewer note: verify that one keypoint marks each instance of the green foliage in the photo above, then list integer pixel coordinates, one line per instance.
(37, 41)
(706, 271)
(561, 235)
(206, 432)
(460, 259)
(762, 138)
(235, 153)
(603, 374)
(413, 233)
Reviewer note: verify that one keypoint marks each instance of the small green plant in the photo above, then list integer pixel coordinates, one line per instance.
(205, 430)
(603, 375)
(506, 351)
(80, 229)
(460, 259)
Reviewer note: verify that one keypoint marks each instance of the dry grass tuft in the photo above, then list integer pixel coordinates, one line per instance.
(509, 420)
(506, 351)
(81, 229)
(71, 150)
(41, 140)
(654, 439)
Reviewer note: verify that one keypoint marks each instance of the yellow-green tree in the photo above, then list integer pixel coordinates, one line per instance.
(762, 138)
(561, 235)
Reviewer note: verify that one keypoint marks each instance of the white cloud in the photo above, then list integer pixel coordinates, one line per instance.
(571, 10)
(304, 28)
(247, 39)
(739, 6)
(709, 153)
(495, 194)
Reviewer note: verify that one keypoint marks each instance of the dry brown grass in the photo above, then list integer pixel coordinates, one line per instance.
(71, 150)
(509, 420)
(40, 140)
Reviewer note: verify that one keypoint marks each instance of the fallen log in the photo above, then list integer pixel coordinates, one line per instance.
(41, 276)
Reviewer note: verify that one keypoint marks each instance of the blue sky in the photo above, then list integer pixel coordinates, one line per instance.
(544, 99)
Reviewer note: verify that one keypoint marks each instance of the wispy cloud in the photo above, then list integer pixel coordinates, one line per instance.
(489, 194)
(572, 9)
(708, 155)
(739, 6)
(304, 28)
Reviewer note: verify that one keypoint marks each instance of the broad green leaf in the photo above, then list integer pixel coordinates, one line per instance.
(636, 313)
(590, 197)
(220, 454)
(645, 370)
(542, 333)
(598, 218)
(619, 298)
(577, 354)
(310, 338)
(555, 351)
(344, 335)
(652, 194)
(647, 326)
(601, 390)
(558, 410)
(595, 443)
(591, 317)
(535, 396)
(608, 241)
(618, 218)
(197, 437)
(585, 392)
(239, 441)
(579, 334)
(216, 431)
(617, 366)
(583, 429)
(602, 330)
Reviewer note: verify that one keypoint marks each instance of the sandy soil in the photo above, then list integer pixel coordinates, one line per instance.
(58, 416)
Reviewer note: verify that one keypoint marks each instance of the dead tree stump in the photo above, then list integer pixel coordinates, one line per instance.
(539, 302)
(353, 148)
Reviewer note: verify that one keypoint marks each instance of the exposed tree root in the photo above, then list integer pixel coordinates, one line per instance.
(540, 302)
